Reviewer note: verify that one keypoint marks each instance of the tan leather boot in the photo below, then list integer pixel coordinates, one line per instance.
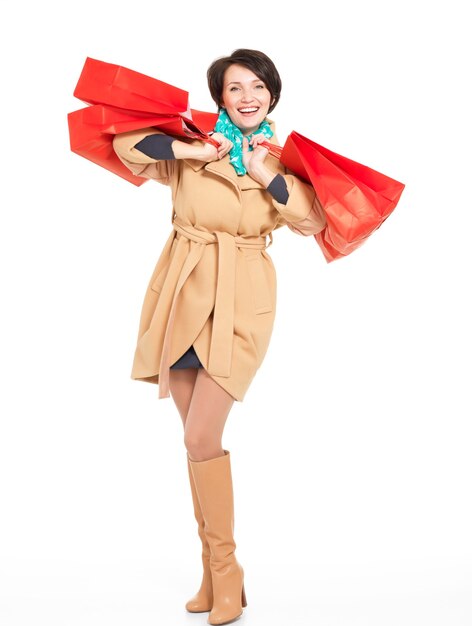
(203, 600)
(214, 486)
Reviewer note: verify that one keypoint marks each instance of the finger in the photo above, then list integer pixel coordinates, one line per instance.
(257, 139)
(221, 139)
(260, 153)
(225, 148)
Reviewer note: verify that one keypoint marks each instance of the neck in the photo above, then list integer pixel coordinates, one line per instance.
(246, 132)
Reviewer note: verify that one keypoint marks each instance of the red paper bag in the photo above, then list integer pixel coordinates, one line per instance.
(117, 86)
(124, 100)
(91, 132)
(356, 198)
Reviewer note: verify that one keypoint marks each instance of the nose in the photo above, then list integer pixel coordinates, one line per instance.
(246, 95)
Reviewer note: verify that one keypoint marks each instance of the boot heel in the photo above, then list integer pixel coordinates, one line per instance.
(243, 598)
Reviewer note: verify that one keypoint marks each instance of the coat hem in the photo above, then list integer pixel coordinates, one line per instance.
(154, 379)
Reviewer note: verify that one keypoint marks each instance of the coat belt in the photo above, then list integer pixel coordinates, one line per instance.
(219, 362)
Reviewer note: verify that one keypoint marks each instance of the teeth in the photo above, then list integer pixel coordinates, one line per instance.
(248, 110)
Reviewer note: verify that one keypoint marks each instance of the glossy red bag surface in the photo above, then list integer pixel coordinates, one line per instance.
(356, 198)
(118, 86)
(91, 132)
(123, 100)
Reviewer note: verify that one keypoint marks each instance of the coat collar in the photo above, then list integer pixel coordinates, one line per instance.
(224, 168)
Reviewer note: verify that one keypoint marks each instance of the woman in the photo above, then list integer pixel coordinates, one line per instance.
(209, 309)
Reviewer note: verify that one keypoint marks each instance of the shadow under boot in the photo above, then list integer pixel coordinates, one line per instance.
(214, 486)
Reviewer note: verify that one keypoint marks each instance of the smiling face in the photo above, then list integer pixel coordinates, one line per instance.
(245, 98)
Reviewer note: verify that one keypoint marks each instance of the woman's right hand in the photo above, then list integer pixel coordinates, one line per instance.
(212, 153)
(202, 151)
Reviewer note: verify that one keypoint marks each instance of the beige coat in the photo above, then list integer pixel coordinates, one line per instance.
(214, 285)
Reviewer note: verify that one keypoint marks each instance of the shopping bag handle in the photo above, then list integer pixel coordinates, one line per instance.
(192, 131)
(272, 148)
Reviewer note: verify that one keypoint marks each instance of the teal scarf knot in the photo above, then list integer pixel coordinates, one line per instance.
(225, 126)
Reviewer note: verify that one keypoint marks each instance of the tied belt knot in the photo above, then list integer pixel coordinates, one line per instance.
(219, 361)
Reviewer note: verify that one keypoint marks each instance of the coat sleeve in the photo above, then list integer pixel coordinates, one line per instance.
(139, 163)
(303, 213)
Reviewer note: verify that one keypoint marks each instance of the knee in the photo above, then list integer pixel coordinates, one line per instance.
(202, 447)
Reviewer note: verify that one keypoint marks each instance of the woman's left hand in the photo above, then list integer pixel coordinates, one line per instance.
(254, 161)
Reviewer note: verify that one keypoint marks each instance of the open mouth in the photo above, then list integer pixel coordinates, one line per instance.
(248, 110)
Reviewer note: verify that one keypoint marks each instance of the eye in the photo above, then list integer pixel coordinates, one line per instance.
(260, 86)
(233, 88)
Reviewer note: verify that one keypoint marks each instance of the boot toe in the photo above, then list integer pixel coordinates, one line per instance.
(220, 619)
(198, 604)
(197, 607)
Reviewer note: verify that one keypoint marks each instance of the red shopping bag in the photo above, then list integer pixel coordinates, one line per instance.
(89, 136)
(123, 100)
(91, 132)
(355, 198)
(118, 86)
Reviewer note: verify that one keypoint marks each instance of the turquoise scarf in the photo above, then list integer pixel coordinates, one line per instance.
(225, 126)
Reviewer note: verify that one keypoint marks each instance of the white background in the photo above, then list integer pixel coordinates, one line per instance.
(351, 451)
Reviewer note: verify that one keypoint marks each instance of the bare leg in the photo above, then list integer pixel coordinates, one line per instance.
(181, 384)
(206, 417)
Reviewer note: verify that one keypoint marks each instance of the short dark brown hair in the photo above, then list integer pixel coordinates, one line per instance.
(256, 61)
